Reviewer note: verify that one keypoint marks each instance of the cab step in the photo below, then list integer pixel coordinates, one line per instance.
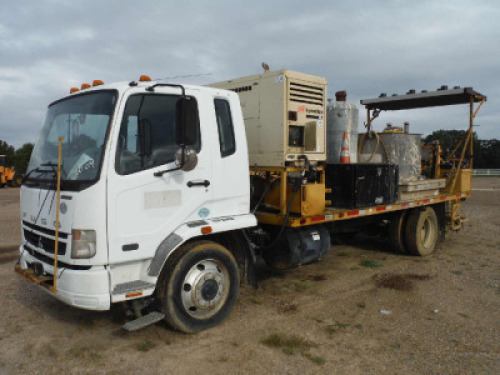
(144, 321)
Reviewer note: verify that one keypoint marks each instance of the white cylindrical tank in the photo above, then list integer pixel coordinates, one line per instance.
(341, 117)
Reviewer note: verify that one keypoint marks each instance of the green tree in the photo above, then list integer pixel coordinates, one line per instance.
(22, 157)
(9, 151)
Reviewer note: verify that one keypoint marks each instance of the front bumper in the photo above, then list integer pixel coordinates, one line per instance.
(86, 289)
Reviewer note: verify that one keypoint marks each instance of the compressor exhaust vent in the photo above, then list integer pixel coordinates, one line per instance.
(306, 94)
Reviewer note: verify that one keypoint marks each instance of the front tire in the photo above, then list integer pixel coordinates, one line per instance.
(422, 231)
(200, 287)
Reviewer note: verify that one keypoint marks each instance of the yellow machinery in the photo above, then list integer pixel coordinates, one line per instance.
(8, 175)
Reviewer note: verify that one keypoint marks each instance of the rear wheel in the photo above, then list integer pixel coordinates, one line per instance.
(421, 231)
(200, 287)
(397, 232)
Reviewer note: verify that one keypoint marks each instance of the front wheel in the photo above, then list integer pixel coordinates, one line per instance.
(199, 289)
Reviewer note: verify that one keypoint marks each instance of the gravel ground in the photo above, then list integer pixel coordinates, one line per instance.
(434, 315)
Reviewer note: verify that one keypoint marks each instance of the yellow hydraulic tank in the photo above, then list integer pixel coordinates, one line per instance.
(284, 113)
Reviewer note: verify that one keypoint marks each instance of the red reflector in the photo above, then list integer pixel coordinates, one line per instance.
(458, 195)
(302, 221)
(427, 201)
(405, 205)
(206, 230)
(443, 198)
(353, 213)
(318, 218)
(133, 295)
(383, 208)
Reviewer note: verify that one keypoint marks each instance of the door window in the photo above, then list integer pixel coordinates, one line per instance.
(225, 126)
(157, 113)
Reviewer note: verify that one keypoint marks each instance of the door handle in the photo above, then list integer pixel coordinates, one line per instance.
(204, 183)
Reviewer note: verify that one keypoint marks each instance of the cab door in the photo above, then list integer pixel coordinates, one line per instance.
(145, 208)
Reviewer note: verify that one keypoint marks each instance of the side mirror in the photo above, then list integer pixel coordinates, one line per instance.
(187, 121)
(186, 158)
(145, 137)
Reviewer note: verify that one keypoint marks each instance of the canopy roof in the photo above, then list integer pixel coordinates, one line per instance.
(423, 99)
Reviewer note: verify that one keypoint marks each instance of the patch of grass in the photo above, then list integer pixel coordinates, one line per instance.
(223, 358)
(314, 358)
(85, 352)
(333, 328)
(457, 272)
(318, 320)
(343, 254)
(255, 300)
(465, 316)
(361, 305)
(396, 346)
(302, 286)
(370, 264)
(289, 344)
(484, 265)
(421, 260)
(145, 345)
(354, 268)
(358, 326)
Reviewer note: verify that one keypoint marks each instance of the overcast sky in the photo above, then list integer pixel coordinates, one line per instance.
(364, 47)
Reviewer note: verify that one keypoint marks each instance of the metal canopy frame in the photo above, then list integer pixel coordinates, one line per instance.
(437, 98)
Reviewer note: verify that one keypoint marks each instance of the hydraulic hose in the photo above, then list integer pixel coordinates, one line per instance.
(264, 194)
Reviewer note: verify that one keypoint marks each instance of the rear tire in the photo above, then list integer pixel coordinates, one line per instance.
(199, 289)
(422, 232)
(397, 232)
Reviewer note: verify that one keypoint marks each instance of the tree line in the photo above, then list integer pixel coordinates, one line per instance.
(486, 152)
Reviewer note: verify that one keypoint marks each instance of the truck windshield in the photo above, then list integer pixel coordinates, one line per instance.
(83, 121)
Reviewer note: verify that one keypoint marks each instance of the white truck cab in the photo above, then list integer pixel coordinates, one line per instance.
(154, 190)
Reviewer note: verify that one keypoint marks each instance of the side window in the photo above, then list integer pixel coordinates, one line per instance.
(157, 114)
(225, 126)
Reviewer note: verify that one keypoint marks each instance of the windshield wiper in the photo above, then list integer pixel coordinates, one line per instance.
(37, 169)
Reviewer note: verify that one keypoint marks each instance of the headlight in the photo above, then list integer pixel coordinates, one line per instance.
(83, 244)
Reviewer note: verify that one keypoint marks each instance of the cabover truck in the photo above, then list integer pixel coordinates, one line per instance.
(145, 193)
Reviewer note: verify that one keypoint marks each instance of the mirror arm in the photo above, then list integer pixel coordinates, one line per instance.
(161, 173)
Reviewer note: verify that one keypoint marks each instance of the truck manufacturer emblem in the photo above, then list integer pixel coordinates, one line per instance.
(203, 212)
(63, 207)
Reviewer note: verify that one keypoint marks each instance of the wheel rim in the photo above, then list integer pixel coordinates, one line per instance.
(205, 289)
(427, 233)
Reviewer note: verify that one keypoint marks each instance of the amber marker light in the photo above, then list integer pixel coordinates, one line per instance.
(73, 90)
(144, 78)
(97, 82)
(85, 86)
(206, 230)
(133, 295)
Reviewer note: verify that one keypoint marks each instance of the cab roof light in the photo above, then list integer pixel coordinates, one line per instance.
(73, 90)
(97, 82)
(85, 86)
(144, 78)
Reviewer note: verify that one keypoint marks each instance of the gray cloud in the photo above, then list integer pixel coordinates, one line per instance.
(363, 47)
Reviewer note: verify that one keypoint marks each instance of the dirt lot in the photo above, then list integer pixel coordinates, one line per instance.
(361, 310)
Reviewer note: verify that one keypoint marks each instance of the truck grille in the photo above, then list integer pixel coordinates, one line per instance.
(306, 94)
(44, 243)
